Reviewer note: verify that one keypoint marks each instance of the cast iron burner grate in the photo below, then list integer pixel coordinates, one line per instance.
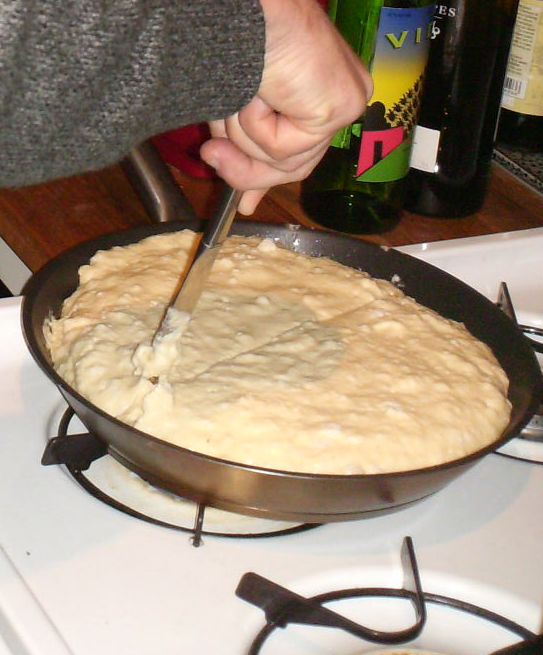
(284, 608)
(533, 431)
(79, 452)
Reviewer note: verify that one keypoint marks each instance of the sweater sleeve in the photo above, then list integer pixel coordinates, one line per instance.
(83, 81)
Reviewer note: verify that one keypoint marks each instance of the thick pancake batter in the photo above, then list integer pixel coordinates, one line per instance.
(289, 362)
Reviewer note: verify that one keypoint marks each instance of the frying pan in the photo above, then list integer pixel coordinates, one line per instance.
(271, 493)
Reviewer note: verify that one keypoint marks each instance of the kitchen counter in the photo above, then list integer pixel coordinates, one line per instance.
(39, 222)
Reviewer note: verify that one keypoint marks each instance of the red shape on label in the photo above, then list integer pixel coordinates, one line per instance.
(376, 145)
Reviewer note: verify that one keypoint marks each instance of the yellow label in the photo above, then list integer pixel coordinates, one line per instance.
(523, 87)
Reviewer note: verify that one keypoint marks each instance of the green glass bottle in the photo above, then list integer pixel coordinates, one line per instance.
(358, 187)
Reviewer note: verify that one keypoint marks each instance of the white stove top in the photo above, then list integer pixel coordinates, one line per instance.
(79, 577)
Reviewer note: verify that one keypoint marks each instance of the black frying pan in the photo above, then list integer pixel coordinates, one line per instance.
(279, 494)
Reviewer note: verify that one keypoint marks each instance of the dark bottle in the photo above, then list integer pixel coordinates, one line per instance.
(454, 138)
(358, 186)
(521, 119)
(520, 132)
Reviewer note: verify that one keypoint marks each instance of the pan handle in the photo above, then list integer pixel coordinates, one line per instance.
(155, 185)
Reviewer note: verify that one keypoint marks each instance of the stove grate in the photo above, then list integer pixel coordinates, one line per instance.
(283, 607)
(533, 431)
(77, 452)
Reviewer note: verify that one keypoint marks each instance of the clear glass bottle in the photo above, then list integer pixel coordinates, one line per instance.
(521, 119)
(358, 186)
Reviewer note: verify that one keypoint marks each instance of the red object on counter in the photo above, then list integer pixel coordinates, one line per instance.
(181, 149)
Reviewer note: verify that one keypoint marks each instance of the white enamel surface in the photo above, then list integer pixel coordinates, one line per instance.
(13, 271)
(78, 577)
(483, 262)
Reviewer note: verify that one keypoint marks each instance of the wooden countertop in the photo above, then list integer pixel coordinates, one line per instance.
(42, 221)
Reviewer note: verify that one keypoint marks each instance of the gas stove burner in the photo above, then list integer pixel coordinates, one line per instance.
(528, 445)
(440, 623)
(87, 461)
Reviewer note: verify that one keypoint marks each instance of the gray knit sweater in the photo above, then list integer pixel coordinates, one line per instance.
(83, 81)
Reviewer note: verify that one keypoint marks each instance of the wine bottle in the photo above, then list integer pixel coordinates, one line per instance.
(357, 187)
(454, 138)
(521, 119)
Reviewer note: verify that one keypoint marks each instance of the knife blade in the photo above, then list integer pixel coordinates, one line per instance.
(189, 289)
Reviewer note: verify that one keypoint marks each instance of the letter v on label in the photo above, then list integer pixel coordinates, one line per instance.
(397, 43)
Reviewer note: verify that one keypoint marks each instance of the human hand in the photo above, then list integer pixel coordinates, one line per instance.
(312, 85)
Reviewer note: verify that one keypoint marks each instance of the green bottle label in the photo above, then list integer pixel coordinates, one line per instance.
(400, 56)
